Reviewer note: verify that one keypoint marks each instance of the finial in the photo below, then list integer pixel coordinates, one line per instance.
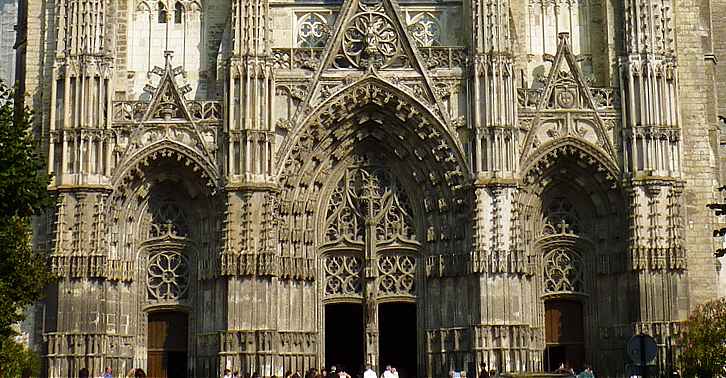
(168, 55)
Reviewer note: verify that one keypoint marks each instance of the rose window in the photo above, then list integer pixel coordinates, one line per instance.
(168, 276)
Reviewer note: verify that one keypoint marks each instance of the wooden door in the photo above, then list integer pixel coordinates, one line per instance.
(564, 334)
(167, 344)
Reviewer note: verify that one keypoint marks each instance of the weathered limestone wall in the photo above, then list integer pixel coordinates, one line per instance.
(700, 151)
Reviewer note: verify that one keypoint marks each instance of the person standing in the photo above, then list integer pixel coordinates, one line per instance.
(387, 373)
(369, 373)
(586, 373)
(484, 373)
(394, 372)
(227, 373)
(108, 373)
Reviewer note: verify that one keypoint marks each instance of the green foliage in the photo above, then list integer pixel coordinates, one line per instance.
(17, 360)
(23, 193)
(703, 341)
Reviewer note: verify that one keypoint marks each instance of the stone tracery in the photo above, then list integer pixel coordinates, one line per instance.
(168, 276)
(563, 272)
(370, 39)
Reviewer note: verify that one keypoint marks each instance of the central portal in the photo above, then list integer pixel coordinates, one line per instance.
(344, 344)
(369, 257)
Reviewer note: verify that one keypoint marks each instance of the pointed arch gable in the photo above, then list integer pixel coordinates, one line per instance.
(373, 90)
(377, 16)
(546, 154)
(171, 149)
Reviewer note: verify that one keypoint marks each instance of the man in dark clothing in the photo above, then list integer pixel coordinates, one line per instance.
(484, 373)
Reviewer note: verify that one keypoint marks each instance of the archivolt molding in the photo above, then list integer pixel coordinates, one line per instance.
(539, 162)
(146, 208)
(372, 90)
(372, 116)
(133, 166)
(193, 126)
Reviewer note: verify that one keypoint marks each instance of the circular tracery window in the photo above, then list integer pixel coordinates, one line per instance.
(168, 276)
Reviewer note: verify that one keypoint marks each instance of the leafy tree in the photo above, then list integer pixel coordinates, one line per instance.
(18, 361)
(23, 193)
(703, 341)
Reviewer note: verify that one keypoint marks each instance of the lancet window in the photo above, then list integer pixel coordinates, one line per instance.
(162, 14)
(178, 13)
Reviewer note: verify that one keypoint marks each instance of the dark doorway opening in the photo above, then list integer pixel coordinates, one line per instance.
(167, 344)
(397, 337)
(564, 334)
(344, 336)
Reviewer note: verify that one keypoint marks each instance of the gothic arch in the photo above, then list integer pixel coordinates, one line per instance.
(374, 112)
(574, 219)
(372, 89)
(546, 156)
(167, 148)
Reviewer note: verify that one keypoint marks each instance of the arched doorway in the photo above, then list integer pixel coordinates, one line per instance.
(369, 258)
(164, 215)
(575, 217)
(397, 343)
(565, 281)
(167, 344)
(366, 251)
(344, 336)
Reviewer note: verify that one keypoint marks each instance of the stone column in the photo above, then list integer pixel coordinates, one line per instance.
(498, 266)
(654, 171)
(250, 258)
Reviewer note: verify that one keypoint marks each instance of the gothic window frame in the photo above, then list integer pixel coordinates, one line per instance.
(313, 28)
(162, 13)
(179, 13)
(419, 25)
(396, 274)
(380, 231)
(563, 272)
(343, 275)
(560, 217)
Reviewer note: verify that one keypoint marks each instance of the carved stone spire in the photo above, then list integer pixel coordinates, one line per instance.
(249, 90)
(494, 112)
(648, 78)
(81, 91)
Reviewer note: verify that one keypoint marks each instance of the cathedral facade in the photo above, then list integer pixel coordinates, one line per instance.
(274, 185)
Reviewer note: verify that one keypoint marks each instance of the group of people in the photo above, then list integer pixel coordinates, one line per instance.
(108, 373)
(390, 372)
(565, 369)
